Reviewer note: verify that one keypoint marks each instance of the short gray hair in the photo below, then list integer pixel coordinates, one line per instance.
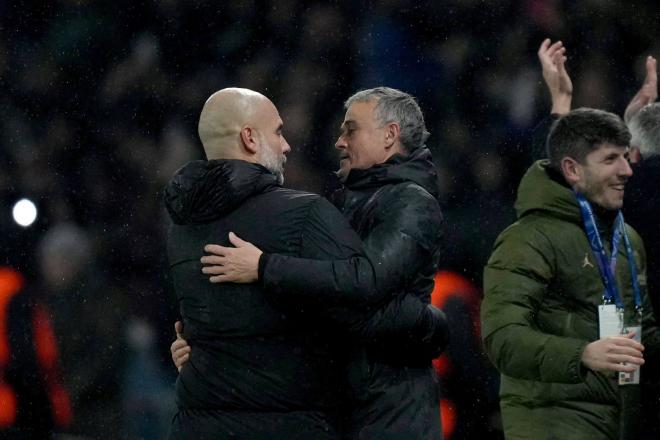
(645, 130)
(396, 106)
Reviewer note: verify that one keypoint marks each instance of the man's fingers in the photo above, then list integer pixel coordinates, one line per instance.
(215, 249)
(651, 80)
(544, 46)
(547, 49)
(551, 55)
(224, 278)
(178, 344)
(557, 46)
(236, 241)
(625, 359)
(626, 368)
(178, 329)
(213, 259)
(213, 270)
(183, 351)
(626, 341)
(181, 360)
(651, 70)
(626, 351)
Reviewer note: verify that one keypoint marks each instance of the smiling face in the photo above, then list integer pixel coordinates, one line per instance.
(363, 141)
(603, 176)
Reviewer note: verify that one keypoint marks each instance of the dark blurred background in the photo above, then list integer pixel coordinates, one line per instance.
(100, 100)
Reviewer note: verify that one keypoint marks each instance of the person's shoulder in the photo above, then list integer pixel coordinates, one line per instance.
(528, 232)
(525, 249)
(406, 197)
(411, 190)
(287, 195)
(315, 204)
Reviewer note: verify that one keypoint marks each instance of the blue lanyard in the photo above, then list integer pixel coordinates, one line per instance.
(607, 268)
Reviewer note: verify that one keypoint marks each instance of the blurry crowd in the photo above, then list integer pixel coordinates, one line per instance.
(100, 101)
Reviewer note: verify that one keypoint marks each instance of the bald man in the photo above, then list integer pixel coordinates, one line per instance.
(261, 367)
(244, 125)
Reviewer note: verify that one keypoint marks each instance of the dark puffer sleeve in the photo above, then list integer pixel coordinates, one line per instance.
(331, 265)
(405, 235)
(403, 239)
(405, 326)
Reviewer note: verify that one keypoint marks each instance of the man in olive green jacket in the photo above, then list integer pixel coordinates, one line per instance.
(540, 319)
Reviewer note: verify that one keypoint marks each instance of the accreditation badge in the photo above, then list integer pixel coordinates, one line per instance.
(610, 321)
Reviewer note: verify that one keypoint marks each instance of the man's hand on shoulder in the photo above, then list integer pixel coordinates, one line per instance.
(238, 264)
(614, 353)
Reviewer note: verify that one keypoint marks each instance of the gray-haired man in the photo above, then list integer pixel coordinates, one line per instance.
(390, 199)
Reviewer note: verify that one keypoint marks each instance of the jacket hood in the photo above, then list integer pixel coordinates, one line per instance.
(202, 191)
(543, 190)
(417, 167)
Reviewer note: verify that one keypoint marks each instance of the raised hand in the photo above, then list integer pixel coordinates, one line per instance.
(553, 59)
(238, 264)
(647, 94)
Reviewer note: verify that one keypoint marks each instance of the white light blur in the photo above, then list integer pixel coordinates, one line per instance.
(24, 212)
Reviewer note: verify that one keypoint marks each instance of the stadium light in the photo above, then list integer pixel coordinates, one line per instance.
(24, 212)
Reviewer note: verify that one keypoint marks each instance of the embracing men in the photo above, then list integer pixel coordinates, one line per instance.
(271, 358)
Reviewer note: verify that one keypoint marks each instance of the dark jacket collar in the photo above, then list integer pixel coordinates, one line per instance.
(416, 167)
(202, 191)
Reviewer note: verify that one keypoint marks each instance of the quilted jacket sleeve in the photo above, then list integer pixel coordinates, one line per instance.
(515, 280)
(404, 237)
(405, 234)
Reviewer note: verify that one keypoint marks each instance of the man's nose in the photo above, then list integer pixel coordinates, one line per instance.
(286, 148)
(625, 170)
(341, 143)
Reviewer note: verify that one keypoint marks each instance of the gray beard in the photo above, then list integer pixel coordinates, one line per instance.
(274, 164)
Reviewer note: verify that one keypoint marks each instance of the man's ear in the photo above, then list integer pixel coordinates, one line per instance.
(392, 134)
(571, 170)
(249, 139)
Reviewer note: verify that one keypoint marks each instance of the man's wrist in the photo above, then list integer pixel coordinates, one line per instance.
(561, 104)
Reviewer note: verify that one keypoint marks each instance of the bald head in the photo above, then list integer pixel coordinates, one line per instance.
(223, 117)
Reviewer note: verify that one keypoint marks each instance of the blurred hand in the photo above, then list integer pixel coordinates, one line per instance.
(647, 94)
(553, 59)
(615, 353)
(180, 349)
(235, 265)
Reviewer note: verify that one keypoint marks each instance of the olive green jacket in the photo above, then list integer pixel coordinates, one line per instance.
(542, 288)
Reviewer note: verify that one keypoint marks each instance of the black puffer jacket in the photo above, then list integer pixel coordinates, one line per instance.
(394, 209)
(259, 368)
